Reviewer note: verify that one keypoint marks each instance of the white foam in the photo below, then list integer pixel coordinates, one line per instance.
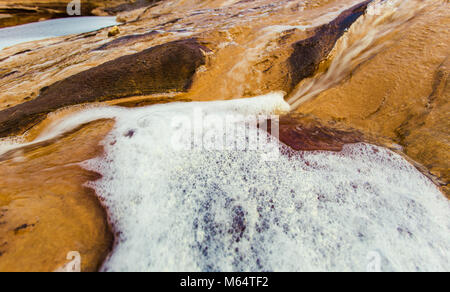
(204, 210)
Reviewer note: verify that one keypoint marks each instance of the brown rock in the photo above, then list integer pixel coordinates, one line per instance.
(402, 93)
(45, 209)
(26, 11)
(165, 68)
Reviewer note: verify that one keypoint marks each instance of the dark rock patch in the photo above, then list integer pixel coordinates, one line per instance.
(152, 101)
(309, 53)
(165, 68)
(22, 227)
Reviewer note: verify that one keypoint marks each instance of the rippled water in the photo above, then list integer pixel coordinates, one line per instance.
(52, 28)
(206, 210)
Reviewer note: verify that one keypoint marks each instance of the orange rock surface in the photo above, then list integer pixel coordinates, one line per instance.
(45, 211)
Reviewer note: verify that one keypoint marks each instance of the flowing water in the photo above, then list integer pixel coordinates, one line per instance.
(368, 36)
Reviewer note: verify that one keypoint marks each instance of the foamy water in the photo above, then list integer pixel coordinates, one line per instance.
(206, 210)
(52, 28)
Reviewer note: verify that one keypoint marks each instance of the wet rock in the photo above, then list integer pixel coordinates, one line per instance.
(21, 14)
(309, 53)
(165, 68)
(114, 31)
(8, 74)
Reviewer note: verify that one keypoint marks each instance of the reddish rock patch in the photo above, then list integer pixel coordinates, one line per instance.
(309, 53)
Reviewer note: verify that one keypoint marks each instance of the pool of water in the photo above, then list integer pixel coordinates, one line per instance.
(52, 28)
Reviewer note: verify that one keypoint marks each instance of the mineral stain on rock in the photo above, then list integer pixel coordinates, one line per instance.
(165, 68)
